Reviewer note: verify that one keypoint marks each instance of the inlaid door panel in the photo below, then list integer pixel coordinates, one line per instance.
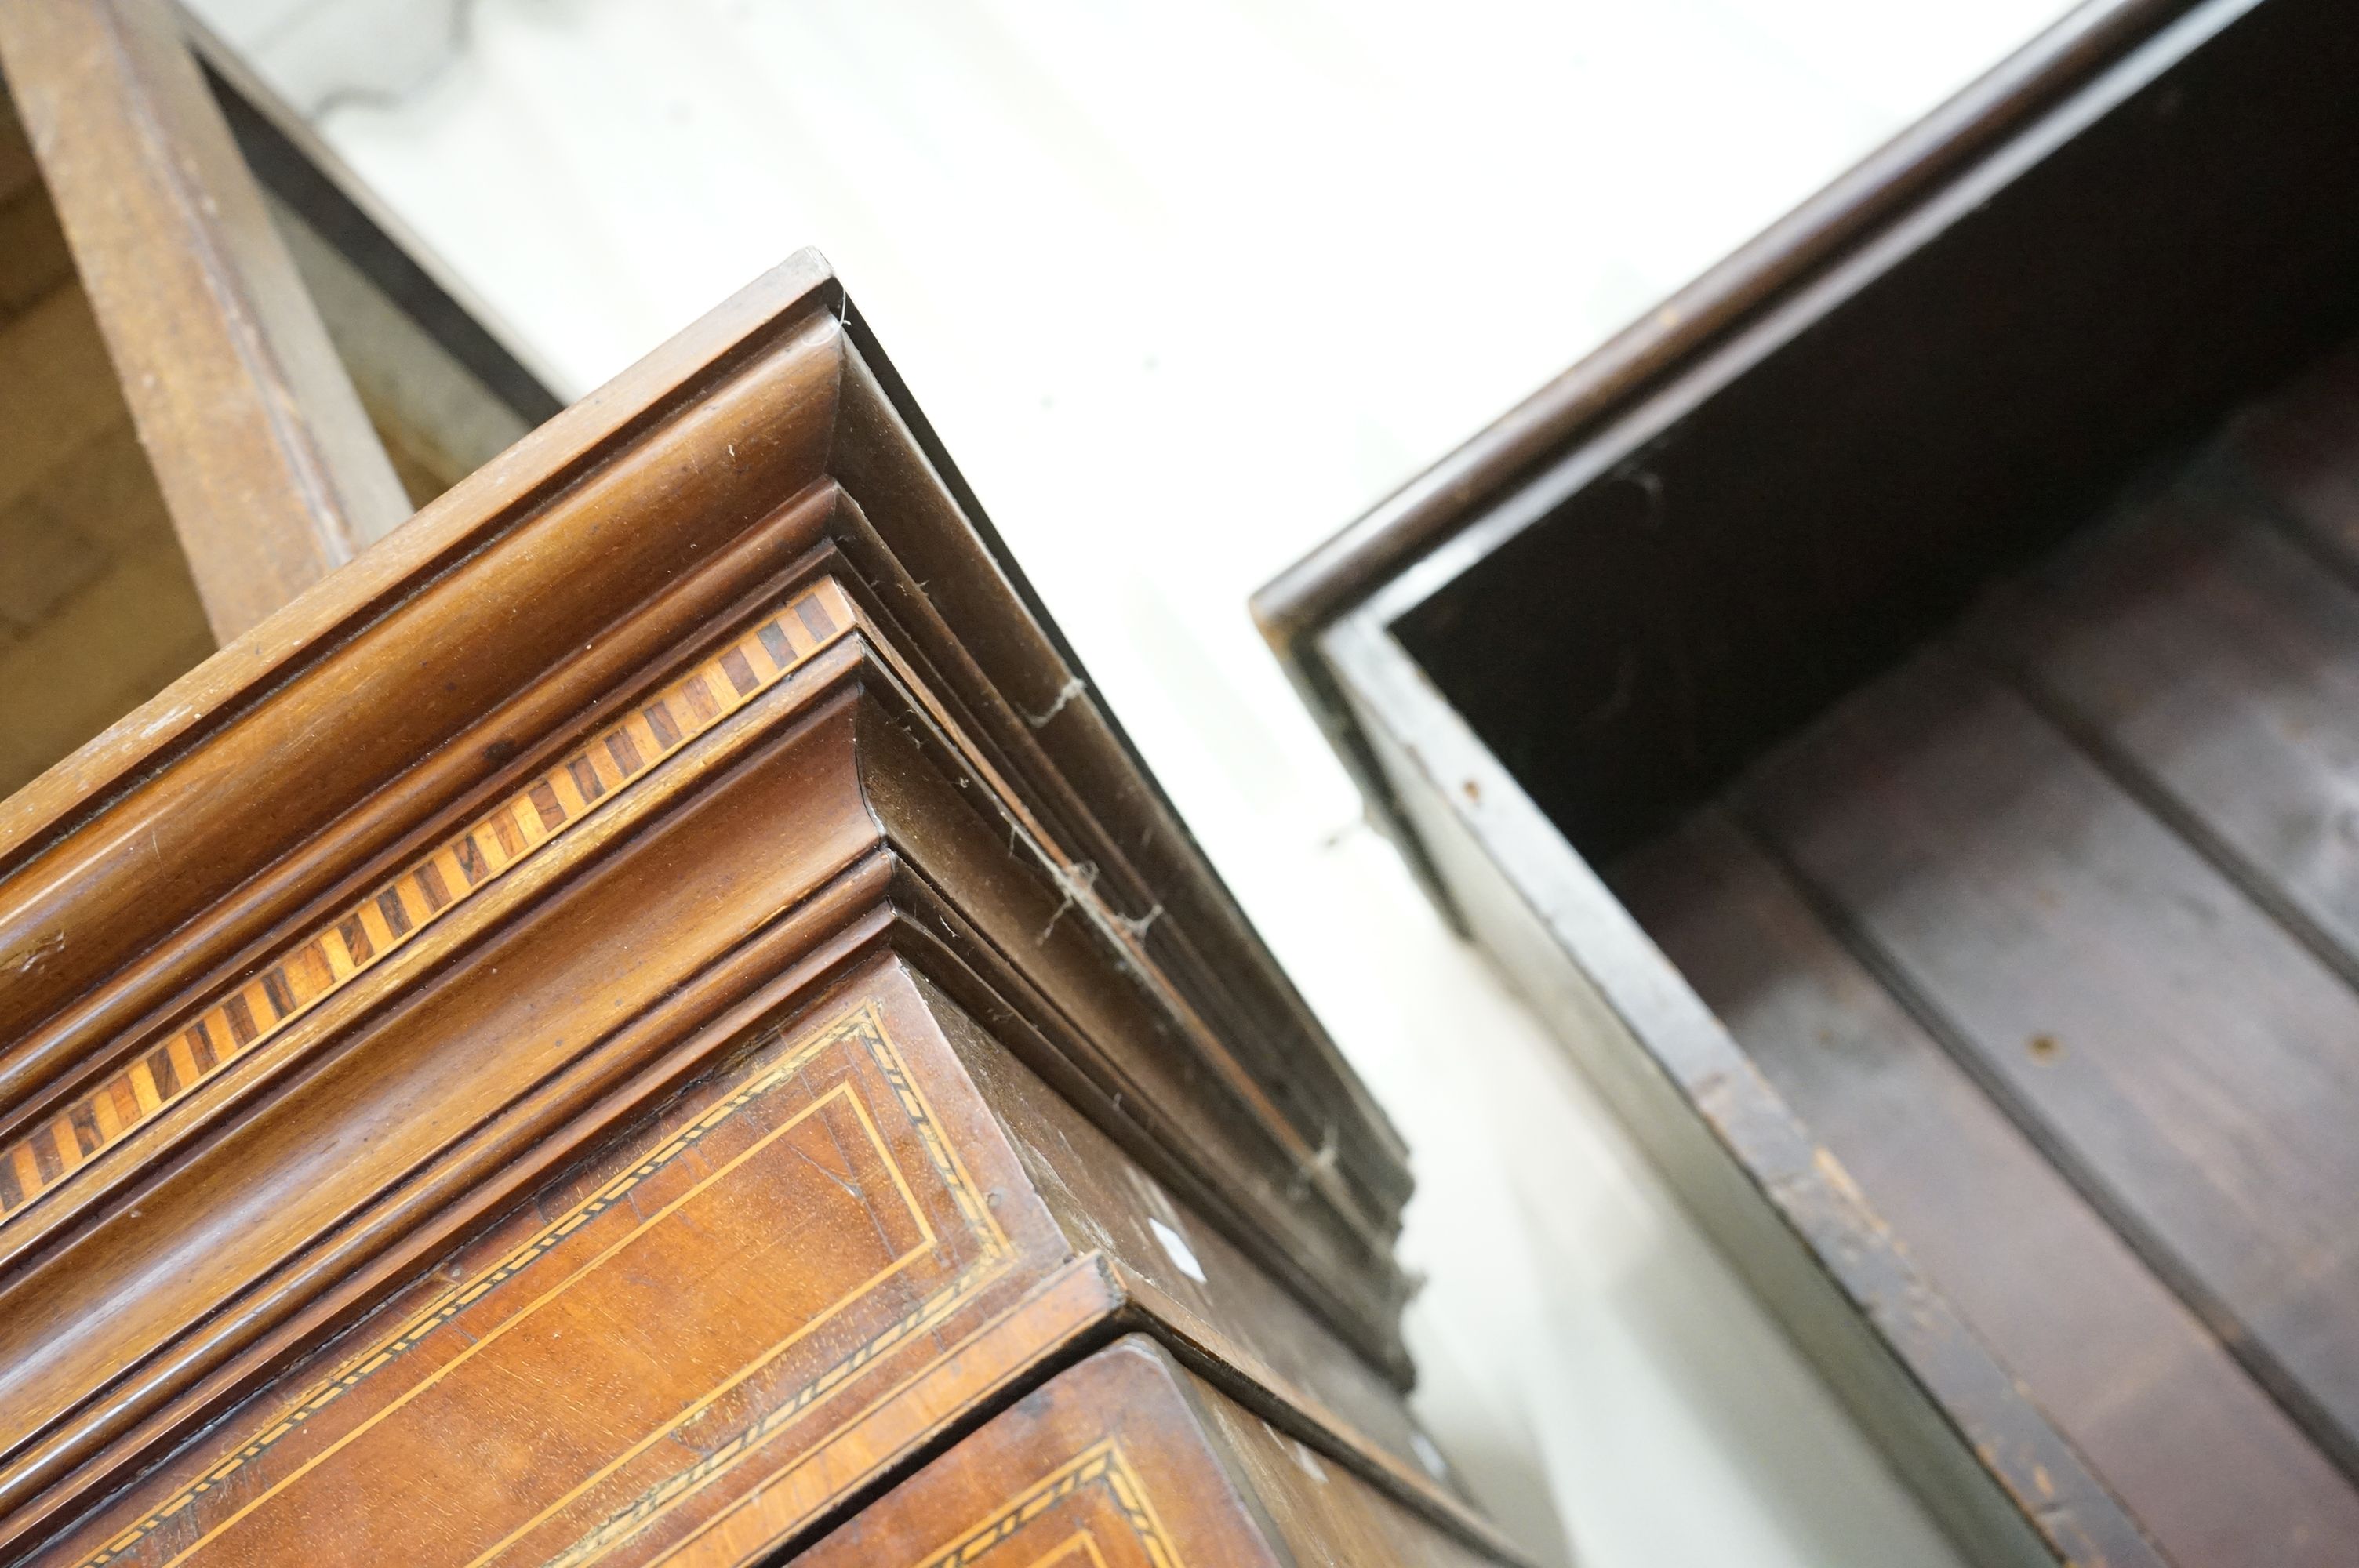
(1129, 1461)
(1105, 1465)
(616, 1362)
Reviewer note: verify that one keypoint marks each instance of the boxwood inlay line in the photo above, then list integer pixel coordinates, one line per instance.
(363, 936)
(1102, 1464)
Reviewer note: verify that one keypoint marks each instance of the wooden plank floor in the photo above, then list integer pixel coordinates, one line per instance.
(2052, 935)
(2194, 1447)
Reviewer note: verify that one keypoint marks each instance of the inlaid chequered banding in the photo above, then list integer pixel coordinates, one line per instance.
(366, 934)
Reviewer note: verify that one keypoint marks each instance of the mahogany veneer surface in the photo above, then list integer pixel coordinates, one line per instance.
(1128, 1459)
(818, 1259)
(627, 1021)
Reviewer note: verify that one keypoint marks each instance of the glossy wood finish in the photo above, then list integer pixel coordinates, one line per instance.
(267, 462)
(871, 1273)
(317, 964)
(620, 1023)
(1203, 1288)
(1033, 706)
(2043, 931)
(1128, 1459)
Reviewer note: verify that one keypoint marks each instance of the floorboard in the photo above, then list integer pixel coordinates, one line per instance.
(2187, 1062)
(2209, 662)
(2299, 449)
(2167, 1418)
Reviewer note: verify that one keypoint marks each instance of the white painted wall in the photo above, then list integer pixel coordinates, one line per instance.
(1185, 287)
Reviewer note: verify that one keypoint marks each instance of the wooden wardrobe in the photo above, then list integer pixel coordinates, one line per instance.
(645, 1012)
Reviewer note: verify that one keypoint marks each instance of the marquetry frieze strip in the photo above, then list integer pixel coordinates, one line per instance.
(364, 936)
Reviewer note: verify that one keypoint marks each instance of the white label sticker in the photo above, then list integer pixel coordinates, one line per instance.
(1175, 1245)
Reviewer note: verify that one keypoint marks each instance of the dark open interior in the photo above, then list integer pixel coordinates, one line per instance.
(1959, 681)
(1773, 539)
(2050, 934)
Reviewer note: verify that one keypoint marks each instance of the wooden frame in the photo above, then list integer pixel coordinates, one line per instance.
(446, 384)
(311, 184)
(265, 458)
(1698, 539)
(301, 371)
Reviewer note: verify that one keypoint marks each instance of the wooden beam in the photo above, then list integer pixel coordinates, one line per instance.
(265, 458)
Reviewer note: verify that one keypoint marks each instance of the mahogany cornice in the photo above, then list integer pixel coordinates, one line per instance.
(885, 766)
